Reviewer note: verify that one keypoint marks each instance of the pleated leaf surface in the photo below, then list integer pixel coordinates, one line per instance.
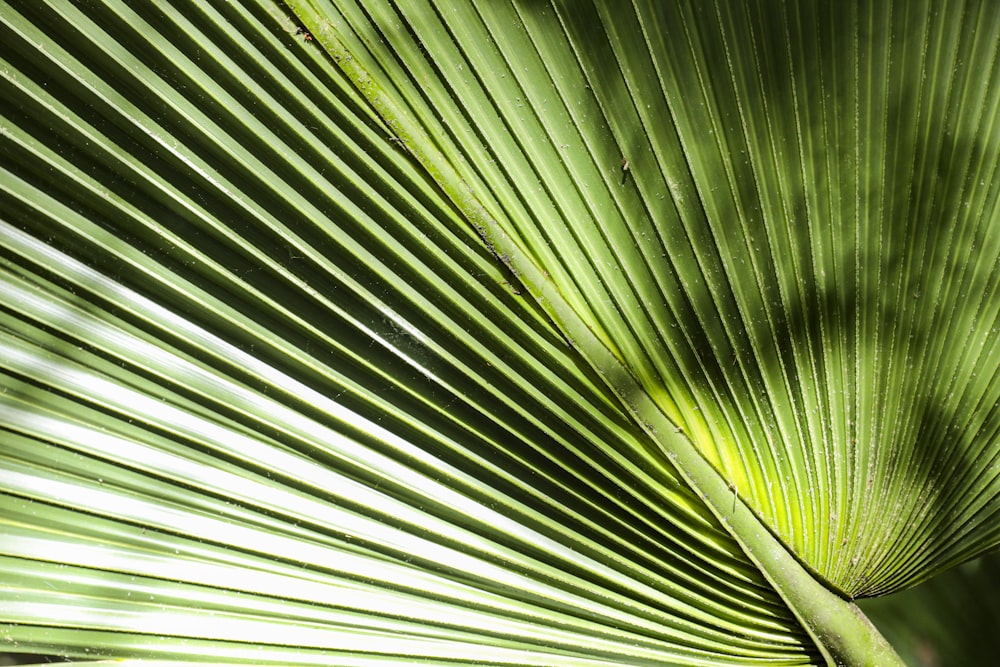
(319, 324)
(780, 217)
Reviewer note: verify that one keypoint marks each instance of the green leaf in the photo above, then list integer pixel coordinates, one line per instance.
(769, 320)
(495, 333)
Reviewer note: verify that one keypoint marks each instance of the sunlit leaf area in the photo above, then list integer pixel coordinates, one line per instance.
(515, 332)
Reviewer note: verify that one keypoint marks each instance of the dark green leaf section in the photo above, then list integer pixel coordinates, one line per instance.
(268, 399)
(950, 620)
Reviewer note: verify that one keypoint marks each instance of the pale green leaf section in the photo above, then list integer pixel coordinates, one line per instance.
(799, 264)
(267, 398)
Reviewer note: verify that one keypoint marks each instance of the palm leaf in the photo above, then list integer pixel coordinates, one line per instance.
(511, 334)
